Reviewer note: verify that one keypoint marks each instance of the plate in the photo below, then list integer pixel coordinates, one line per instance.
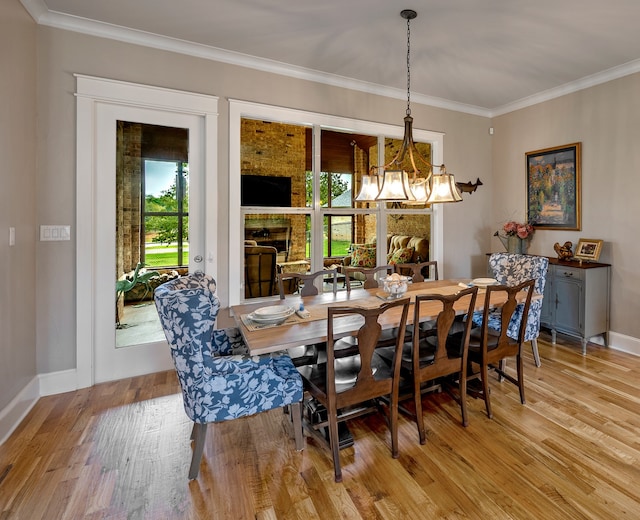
(483, 282)
(273, 311)
(271, 319)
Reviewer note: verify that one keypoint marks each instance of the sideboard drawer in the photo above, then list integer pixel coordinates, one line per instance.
(570, 272)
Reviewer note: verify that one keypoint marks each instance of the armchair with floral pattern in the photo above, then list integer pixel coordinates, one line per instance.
(512, 269)
(220, 381)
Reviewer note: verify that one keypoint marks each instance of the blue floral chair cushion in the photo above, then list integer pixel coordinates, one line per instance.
(219, 379)
(512, 269)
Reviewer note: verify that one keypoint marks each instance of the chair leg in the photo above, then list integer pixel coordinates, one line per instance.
(393, 424)
(534, 348)
(334, 442)
(417, 396)
(520, 364)
(463, 396)
(198, 434)
(296, 417)
(484, 369)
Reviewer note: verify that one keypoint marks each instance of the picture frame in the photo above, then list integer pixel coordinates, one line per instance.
(554, 187)
(588, 249)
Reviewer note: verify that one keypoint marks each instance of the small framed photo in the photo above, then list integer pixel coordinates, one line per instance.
(588, 249)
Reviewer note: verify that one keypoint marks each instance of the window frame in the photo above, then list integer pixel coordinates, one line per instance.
(243, 109)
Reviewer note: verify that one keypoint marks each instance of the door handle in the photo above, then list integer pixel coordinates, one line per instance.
(197, 259)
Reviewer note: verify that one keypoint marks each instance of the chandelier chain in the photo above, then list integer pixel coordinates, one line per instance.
(408, 66)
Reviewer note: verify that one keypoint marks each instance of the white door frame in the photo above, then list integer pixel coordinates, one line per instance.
(98, 96)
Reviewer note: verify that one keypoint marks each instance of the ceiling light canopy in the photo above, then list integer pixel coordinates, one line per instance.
(420, 185)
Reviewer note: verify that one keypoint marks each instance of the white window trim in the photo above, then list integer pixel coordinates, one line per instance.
(243, 109)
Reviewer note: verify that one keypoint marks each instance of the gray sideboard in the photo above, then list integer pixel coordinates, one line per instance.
(576, 300)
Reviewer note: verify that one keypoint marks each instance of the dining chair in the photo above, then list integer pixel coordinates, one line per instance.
(511, 269)
(490, 344)
(371, 275)
(306, 354)
(416, 271)
(220, 381)
(439, 361)
(259, 271)
(305, 284)
(342, 387)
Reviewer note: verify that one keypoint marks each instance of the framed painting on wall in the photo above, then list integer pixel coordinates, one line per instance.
(553, 187)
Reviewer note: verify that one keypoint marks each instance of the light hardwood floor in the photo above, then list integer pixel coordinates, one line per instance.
(121, 451)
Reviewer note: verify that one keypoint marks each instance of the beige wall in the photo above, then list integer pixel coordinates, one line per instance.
(17, 201)
(606, 119)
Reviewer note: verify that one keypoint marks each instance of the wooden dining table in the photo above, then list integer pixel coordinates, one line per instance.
(295, 331)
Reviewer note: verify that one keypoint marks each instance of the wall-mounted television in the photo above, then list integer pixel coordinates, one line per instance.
(261, 190)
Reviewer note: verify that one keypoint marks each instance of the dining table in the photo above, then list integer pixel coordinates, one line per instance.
(262, 338)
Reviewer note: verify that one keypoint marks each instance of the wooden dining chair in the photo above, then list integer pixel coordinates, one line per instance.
(490, 345)
(443, 355)
(417, 271)
(347, 390)
(436, 362)
(306, 354)
(371, 275)
(305, 284)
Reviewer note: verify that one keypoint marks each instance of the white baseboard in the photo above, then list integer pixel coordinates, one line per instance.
(624, 343)
(58, 382)
(12, 414)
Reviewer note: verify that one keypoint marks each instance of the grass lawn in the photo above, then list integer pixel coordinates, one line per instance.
(162, 255)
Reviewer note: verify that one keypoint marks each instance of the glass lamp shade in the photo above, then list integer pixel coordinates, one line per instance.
(369, 189)
(443, 189)
(420, 190)
(395, 187)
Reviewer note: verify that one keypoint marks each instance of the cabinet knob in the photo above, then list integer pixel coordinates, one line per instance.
(568, 274)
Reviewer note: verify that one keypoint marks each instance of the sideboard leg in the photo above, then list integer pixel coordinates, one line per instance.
(584, 346)
(553, 336)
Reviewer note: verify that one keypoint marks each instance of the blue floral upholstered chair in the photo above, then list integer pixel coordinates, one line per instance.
(220, 381)
(512, 269)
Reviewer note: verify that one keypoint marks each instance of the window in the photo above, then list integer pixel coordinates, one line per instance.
(165, 213)
(311, 219)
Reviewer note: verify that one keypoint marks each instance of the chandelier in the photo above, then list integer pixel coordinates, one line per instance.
(420, 185)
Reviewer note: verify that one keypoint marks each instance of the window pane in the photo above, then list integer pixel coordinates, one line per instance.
(412, 225)
(161, 246)
(275, 158)
(288, 236)
(338, 235)
(347, 157)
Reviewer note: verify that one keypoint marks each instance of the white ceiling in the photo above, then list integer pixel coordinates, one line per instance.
(477, 56)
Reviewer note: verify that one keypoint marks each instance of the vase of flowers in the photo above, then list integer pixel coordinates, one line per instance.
(515, 236)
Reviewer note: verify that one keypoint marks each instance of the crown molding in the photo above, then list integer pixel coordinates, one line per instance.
(39, 12)
(620, 71)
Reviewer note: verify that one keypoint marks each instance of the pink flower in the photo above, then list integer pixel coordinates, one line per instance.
(510, 228)
(523, 231)
(513, 228)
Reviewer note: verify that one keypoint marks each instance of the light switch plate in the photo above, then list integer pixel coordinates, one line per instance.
(54, 233)
(12, 236)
